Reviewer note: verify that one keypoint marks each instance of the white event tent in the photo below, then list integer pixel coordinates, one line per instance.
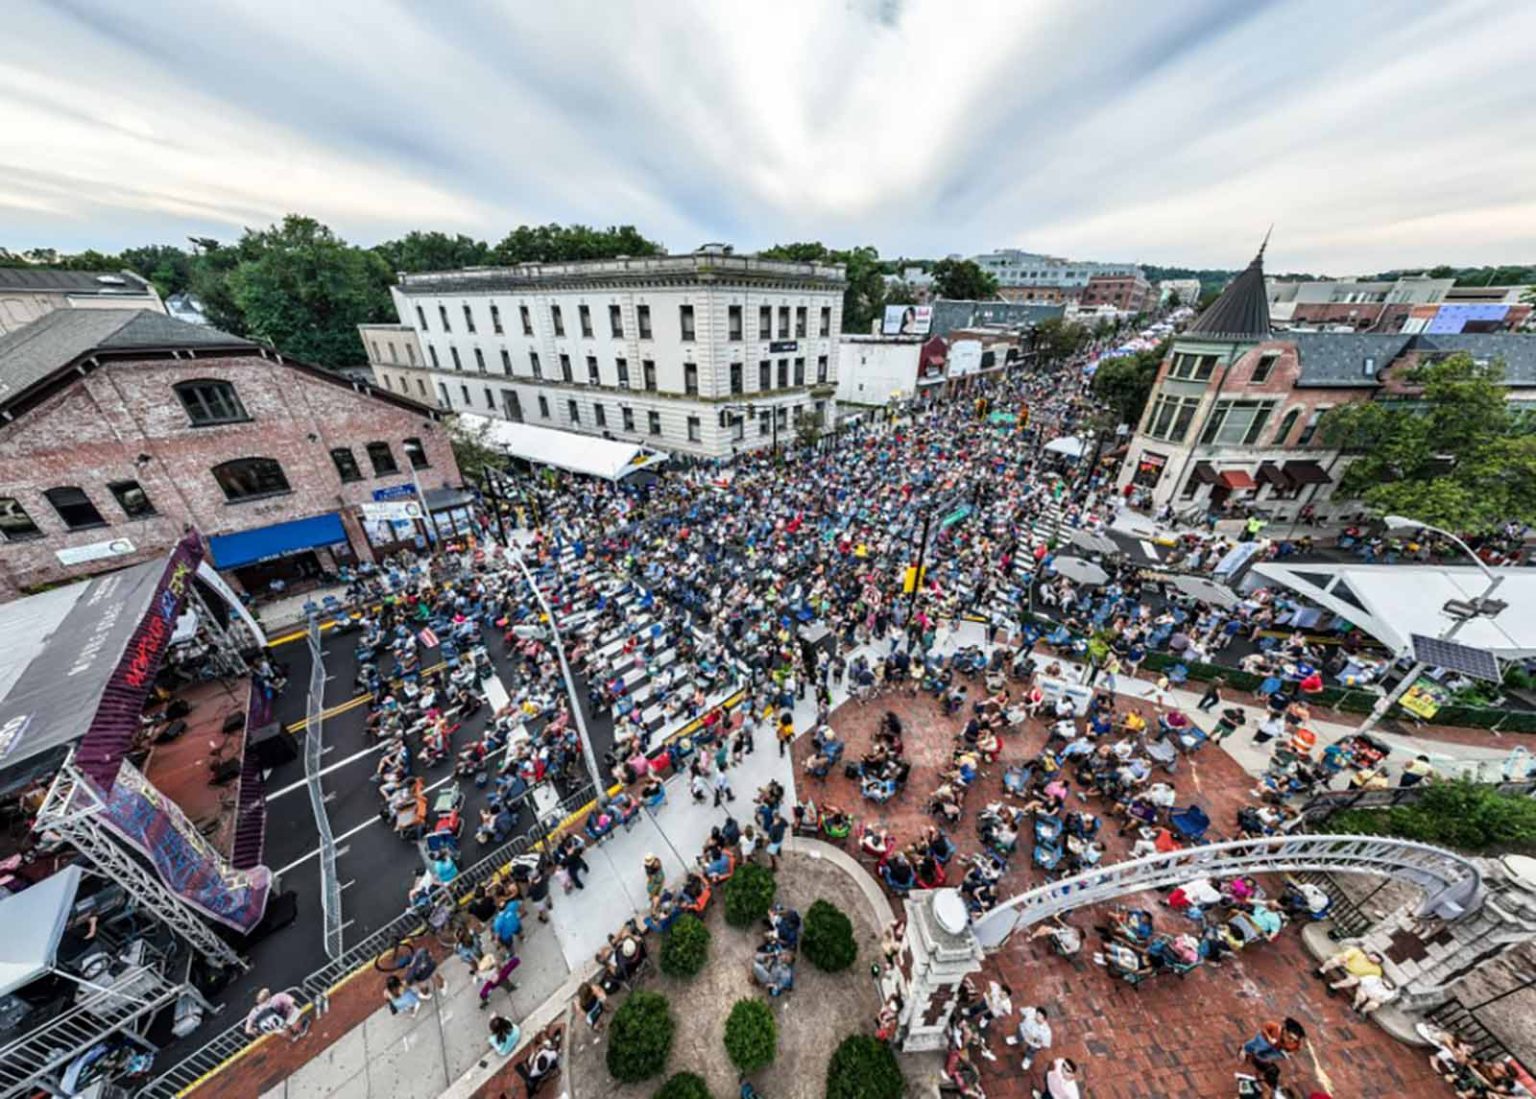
(546, 446)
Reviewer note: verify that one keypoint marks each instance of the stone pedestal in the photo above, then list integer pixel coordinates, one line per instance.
(1427, 957)
(940, 952)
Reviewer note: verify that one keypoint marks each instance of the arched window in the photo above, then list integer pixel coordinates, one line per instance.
(209, 401)
(248, 478)
(1286, 425)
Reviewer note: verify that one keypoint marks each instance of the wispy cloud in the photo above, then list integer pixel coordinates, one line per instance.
(1372, 135)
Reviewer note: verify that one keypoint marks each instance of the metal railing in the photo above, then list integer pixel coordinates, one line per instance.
(1463, 1022)
(1347, 916)
(314, 751)
(315, 990)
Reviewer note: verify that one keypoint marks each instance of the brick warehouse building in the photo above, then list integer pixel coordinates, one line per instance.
(119, 428)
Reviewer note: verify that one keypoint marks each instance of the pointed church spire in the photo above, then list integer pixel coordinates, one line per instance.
(1242, 310)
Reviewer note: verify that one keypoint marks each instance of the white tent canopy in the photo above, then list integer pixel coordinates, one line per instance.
(546, 446)
(34, 922)
(1069, 445)
(1394, 602)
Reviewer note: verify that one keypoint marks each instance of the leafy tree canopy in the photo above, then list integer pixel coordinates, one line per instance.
(963, 280)
(433, 251)
(1125, 383)
(1057, 340)
(864, 300)
(1455, 456)
(563, 243)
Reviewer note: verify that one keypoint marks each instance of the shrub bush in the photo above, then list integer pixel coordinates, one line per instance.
(864, 1068)
(640, 1037)
(749, 894)
(827, 939)
(751, 1035)
(685, 947)
(1466, 815)
(683, 1085)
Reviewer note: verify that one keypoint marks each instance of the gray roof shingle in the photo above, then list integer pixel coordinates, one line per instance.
(1242, 310)
(1352, 359)
(74, 282)
(1516, 349)
(32, 353)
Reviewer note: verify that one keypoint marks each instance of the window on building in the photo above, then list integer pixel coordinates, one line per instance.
(453, 353)
(733, 322)
(442, 394)
(432, 351)
(648, 374)
(764, 376)
(442, 315)
(410, 354)
(543, 406)
(1236, 423)
(1264, 367)
(800, 322)
(374, 347)
(738, 428)
(594, 376)
(506, 361)
(421, 319)
(765, 322)
(1190, 367)
(573, 411)
(764, 424)
(1171, 416)
(826, 320)
(783, 373)
(616, 322)
(653, 419)
(421, 387)
(1287, 423)
(389, 385)
(132, 498)
(210, 402)
(533, 361)
(783, 418)
(736, 380)
(496, 319)
(511, 407)
(643, 321)
(821, 370)
(799, 371)
(526, 316)
(557, 320)
(783, 322)
(346, 464)
(627, 417)
(469, 320)
(394, 353)
(695, 429)
(622, 367)
(691, 379)
(15, 523)
(480, 360)
(382, 457)
(584, 316)
(685, 322)
(1305, 438)
(464, 389)
(599, 414)
(565, 367)
(416, 450)
(250, 478)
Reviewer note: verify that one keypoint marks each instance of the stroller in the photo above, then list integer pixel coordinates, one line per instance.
(1048, 842)
(1189, 824)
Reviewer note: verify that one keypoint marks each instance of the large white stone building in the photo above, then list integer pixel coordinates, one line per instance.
(706, 354)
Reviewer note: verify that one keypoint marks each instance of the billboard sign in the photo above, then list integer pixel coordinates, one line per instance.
(907, 320)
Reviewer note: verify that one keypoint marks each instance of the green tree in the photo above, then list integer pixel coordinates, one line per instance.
(863, 1067)
(1466, 815)
(803, 251)
(165, 265)
(900, 293)
(864, 299)
(433, 251)
(1123, 384)
(685, 947)
(1455, 456)
(963, 280)
(640, 1037)
(563, 243)
(208, 278)
(751, 1035)
(828, 937)
(304, 290)
(472, 448)
(1057, 340)
(749, 895)
(683, 1085)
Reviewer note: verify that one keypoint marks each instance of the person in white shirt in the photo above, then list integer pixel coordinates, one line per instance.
(1061, 1080)
(1034, 1034)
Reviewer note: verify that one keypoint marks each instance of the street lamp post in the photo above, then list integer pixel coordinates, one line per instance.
(1480, 609)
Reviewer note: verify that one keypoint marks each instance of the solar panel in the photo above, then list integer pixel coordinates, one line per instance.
(1456, 658)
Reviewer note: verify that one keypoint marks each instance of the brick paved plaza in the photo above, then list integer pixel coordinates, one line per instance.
(1172, 1037)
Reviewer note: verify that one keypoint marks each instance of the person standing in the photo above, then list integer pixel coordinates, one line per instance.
(571, 861)
(723, 791)
(1061, 1080)
(1034, 1035)
(1212, 696)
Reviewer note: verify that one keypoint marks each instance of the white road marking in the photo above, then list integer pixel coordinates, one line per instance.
(292, 786)
(1146, 548)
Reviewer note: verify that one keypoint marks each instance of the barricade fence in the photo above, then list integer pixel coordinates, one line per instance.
(314, 754)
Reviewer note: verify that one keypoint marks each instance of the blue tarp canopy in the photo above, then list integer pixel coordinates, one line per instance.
(230, 551)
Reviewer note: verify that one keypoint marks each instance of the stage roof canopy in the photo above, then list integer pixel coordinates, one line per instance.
(34, 920)
(1394, 602)
(587, 454)
(58, 651)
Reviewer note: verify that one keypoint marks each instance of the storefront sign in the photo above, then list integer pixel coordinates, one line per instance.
(1424, 699)
(95, 551)
(784, 345)
(399, 509)
(395, 492)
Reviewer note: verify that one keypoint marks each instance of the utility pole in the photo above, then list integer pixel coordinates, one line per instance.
(917, 574)
(488, 478)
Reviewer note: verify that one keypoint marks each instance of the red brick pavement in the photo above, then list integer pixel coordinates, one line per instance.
(1173, 1037)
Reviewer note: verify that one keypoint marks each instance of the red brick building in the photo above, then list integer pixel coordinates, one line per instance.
(1125, 292)
(120, 428)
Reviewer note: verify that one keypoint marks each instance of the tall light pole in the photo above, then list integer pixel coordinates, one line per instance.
(1479, 608)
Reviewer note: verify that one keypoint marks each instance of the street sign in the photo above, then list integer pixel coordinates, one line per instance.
(1455, 657)
(395, 492)
(393, 509)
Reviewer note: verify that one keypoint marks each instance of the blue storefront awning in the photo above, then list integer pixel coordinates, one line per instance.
(230, 551)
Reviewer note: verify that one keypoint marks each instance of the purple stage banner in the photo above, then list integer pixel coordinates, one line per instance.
(187, 863)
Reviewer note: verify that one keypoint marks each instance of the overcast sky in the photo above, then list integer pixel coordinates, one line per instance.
(1373, 135)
